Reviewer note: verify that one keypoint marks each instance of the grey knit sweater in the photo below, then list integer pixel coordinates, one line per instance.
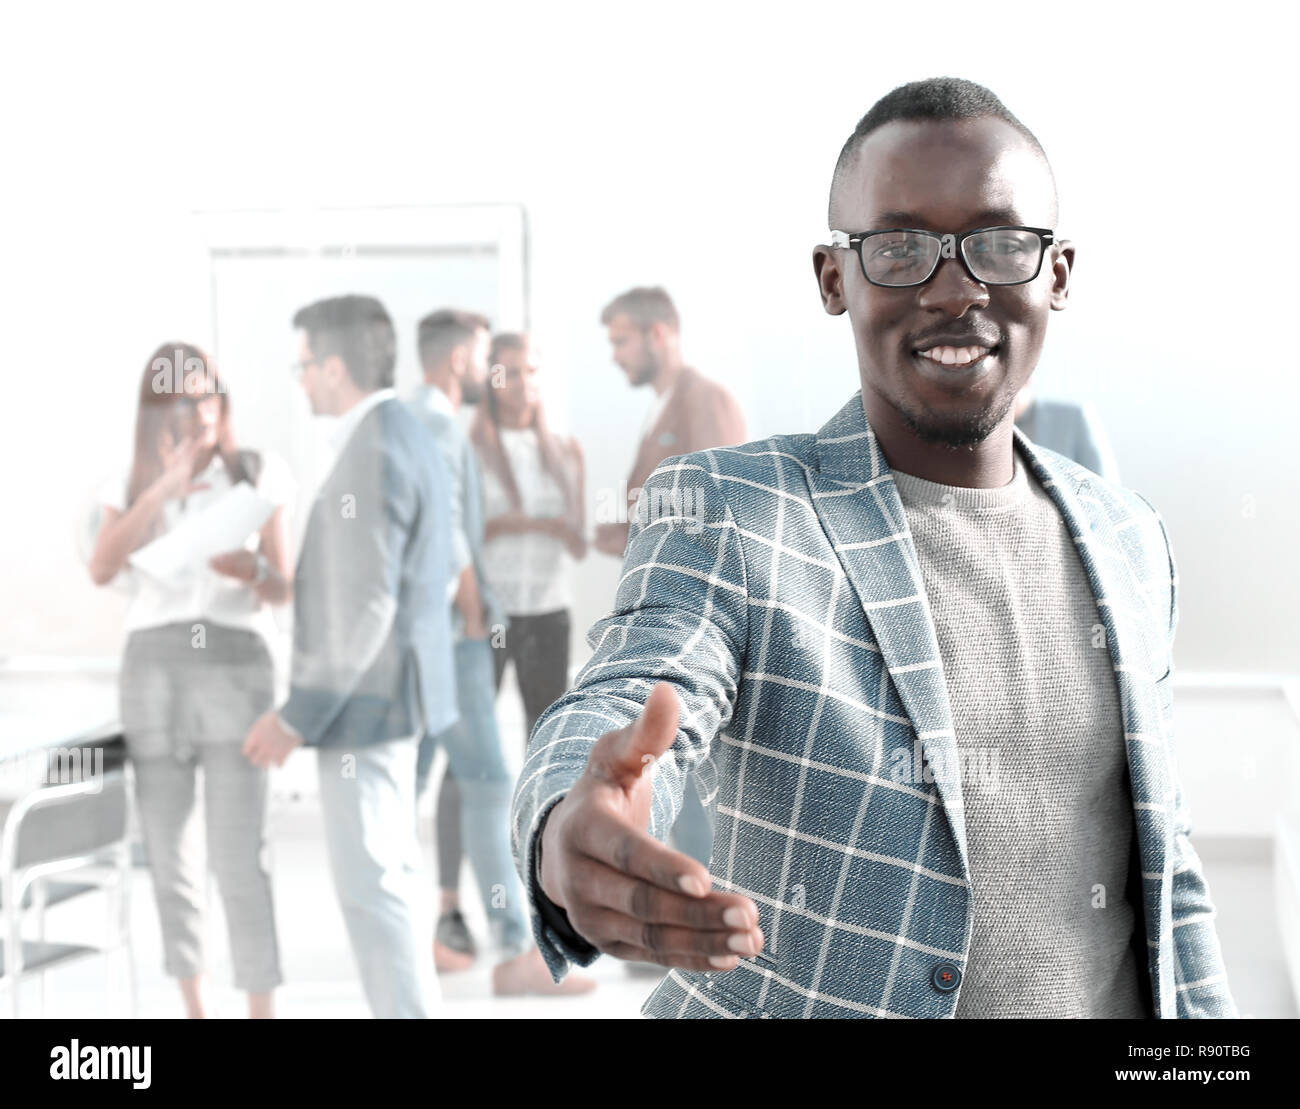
(1049, 819)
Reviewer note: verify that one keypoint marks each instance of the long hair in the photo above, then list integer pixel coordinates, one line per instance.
(180, 369)
(485, 433)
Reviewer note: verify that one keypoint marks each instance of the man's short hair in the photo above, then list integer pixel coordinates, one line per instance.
(936, 98)
(359, 330)
(445, 330)
(644, 306)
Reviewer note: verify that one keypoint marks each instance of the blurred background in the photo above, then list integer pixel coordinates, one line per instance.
(197, 173)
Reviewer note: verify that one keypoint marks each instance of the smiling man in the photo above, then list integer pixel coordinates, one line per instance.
(924, 663)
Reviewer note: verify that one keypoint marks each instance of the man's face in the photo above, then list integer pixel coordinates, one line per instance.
(474, 379)
(633, 350)
(947, 177)
(311, 379)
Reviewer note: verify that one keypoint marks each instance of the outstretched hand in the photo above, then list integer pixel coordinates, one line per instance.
(625, 892)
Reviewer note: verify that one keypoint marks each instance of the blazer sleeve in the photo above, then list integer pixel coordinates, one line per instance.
(358, 535)
(680, 616)
(1199, 975)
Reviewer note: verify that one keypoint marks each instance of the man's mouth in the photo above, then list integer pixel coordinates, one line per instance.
(955, 357)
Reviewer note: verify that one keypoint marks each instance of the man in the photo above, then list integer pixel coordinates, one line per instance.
(372, 662)
(476, 788)
(453, 354)
(690, 413)
(857, 620)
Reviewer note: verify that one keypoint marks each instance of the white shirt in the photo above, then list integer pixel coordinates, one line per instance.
(528, 571)
(342, 431)
(656, 410)
(200, 594)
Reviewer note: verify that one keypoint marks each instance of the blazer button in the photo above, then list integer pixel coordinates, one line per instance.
(945, 977)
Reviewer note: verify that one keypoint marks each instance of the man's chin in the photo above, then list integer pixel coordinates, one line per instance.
(954, 430)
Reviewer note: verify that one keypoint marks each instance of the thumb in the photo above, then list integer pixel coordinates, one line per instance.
(625, 755)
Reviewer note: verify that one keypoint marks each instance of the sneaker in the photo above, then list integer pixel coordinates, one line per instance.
(453, 932)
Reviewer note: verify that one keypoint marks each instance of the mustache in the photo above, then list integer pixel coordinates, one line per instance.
(977, 335)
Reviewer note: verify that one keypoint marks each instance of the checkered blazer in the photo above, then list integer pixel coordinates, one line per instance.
(776, 586)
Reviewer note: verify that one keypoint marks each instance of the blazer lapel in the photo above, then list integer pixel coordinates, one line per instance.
(855, 497)
(1128, 625)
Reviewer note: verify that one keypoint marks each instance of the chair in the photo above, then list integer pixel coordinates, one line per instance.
(57, 843)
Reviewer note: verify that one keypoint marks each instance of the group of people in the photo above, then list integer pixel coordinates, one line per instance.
(438, 549)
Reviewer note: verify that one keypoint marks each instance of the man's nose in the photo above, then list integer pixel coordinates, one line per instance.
(953, 290)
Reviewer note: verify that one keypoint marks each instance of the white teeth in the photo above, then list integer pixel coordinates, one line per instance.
(954, 356)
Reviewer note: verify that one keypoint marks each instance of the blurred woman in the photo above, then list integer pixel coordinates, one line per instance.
(534, 522)
(196, 669)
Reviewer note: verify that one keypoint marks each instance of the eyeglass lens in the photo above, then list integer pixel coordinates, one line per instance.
(1003, 256)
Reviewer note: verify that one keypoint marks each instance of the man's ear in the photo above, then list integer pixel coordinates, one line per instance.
(1062, 268)
(333, 371)
(830, 279)
(459, 361)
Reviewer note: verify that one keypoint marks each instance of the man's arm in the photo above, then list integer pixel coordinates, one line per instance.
(1199, 974)
(680, 617)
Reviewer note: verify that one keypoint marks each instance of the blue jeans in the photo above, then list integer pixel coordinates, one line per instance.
(476, 761)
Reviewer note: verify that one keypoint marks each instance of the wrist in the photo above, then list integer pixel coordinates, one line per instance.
(541, 854)
(261, 568)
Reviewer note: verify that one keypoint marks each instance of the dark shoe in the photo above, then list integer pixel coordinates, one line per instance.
(453, 932)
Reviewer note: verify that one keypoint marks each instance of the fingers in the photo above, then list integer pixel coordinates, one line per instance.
(607, 929)
(607, 837)
(678, 962)
(623, 756)
(600, 888)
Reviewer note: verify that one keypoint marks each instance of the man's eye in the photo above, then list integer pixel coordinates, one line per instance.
(896, 252)
(999, 246)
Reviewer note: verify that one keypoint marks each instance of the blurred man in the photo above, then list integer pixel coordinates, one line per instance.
(690, 413)
(930, 661)
(453, 357)
(475, 793)
(372, 660)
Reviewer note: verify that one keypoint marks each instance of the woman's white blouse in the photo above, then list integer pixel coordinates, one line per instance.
(528, 571)
(200, 593)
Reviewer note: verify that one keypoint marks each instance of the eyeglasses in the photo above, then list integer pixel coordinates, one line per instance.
(299, 367)
(902, 257)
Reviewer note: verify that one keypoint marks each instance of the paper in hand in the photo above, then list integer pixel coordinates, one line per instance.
(222, 526)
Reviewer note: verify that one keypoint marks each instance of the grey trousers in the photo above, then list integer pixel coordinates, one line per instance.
(187, 701)
(367, 797)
